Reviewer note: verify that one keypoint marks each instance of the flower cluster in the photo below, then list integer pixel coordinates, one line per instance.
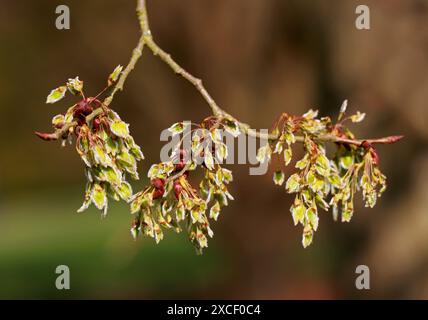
(322, 182)
(102, 141)
(171, 202)
(110, 154)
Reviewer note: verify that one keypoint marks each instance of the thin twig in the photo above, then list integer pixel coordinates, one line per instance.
(360, 142)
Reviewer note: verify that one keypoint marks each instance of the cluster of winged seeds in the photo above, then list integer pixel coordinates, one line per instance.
(171, 202)
(102, 141)
(324, 182)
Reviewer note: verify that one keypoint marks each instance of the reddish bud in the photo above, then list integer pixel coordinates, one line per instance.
(177, 189)
(158, 183)
(394, 139)
(46, 136)
(375, 156)
(83, 108)
(366, 145)
(158, 193)
(96, 123)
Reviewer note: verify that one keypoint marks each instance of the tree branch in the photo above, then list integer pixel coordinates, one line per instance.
(219, 112)
(146, 38)
(359, 142)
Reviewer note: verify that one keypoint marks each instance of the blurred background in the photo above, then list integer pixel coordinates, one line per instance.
(258, 59)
